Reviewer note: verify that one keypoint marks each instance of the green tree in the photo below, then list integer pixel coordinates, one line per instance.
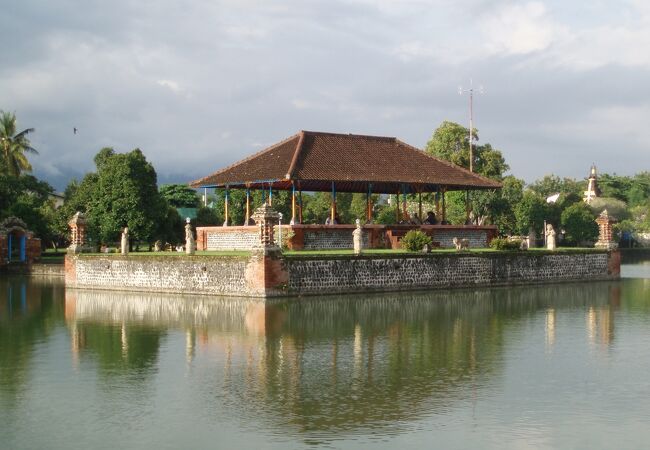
(14, 146)
(450, 141)
(552, 184)
(530, 212)
(179, 195)
(126, 195)
(579, 223)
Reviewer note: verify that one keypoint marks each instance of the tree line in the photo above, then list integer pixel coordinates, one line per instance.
(123, 191)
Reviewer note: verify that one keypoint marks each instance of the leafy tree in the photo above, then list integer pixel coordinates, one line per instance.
(530, 212)
(579, 223)
(615, 207)
(78, 197)
(170, 229)
(552, 184)
(639, 192)
(450, 141)
(126, 194)
(14, 146)
(208, 217)
(179, 195)
(123, 192)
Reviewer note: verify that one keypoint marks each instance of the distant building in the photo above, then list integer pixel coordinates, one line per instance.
(593, 190)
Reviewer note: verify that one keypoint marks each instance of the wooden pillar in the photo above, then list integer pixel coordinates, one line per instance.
(405, 212)
(333, 209)
(300, 198)
(467, 208)
(420, 206)
(397, 215)
(293, 203)
(225, 207)
(444, 206)
(369, 204)
(248, 207)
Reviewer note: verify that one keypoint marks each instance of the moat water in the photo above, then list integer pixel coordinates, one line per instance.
(555, 366)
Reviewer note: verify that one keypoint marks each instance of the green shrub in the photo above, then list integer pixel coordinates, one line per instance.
(505, 244)
(415, 240)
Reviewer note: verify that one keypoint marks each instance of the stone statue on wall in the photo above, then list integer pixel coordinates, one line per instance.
(550, 237)
(125, 241)
(190, 245)
(357, 238)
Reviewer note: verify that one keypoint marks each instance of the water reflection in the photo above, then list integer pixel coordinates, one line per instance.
(28, 314)
(323, 365)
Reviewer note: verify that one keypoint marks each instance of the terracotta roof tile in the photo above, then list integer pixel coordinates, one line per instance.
(315, 159)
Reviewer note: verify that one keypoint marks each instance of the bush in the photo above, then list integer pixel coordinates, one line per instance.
(579, 224)
(505, 244)
(415, 240)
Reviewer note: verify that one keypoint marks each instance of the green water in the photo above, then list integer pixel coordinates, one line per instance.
(557, 366)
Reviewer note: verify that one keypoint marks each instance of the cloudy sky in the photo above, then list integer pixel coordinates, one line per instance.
(199, 84)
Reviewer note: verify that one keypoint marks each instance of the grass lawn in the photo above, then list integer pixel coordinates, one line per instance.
(178, 254)
(49, 256)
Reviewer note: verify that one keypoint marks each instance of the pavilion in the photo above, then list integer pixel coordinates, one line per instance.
(328, 162)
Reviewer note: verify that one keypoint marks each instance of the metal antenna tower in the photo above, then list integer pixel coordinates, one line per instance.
(470, 91)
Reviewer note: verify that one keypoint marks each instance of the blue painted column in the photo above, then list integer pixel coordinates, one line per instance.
(225, 204)
(248, 207)
(333, 209)
(23, 244)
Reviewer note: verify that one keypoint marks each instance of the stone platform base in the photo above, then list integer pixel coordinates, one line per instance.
(271, 275)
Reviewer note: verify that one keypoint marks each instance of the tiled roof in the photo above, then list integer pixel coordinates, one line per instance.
(313, 160)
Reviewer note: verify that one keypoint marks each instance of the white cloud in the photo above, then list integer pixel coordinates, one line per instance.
(170, 84)
(519, 29)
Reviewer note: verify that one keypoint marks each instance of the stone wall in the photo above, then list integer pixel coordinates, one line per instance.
(326, 237)
(477, 238)
(226, 238)
(268, 274)
(204, 275)
(334, 239)
(47, 270)
(308, 276)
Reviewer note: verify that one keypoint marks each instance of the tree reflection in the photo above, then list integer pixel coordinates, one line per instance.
(28, 312)
(333, 363)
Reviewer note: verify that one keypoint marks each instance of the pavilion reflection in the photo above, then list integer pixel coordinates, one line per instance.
(335, 363)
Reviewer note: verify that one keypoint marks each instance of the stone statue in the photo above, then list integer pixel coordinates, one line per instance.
(190, 246)
(157, 246)
(125, 241)
(357, 238)
(550, 237)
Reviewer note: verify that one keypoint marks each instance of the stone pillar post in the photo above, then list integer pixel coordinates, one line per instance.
(266, 272)
(605, 234)
(77, 226)
(266, 219)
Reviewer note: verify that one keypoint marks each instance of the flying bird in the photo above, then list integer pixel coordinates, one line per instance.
(74, 130)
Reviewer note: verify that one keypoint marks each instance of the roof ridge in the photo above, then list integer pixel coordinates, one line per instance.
(353, 135)
(449, 163)
(248, 158)
(294, 159)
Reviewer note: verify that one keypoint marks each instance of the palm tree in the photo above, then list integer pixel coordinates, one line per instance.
(14, 146)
